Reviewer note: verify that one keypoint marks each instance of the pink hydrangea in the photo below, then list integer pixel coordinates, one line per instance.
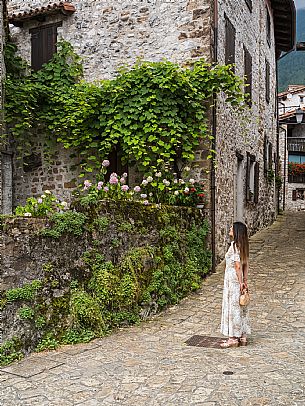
(105, 163)
(146, 202)
(106, 189)
(125, 175)
(123, 181)
(143, 196)
(87, 184)
(125, 188)
(137, 189)
(100, 185)
(113, 180)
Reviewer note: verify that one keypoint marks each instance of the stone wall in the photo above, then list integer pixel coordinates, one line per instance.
(245, 133)
(106, 36)
(2, 69)
(122, 262)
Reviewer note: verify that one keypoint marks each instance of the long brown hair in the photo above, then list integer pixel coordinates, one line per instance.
(240, 236)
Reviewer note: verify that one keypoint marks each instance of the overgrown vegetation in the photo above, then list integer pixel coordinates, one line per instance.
(121, 280)
(156, 112)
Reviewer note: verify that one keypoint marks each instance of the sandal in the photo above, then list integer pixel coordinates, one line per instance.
(231, 342)
(243, 341)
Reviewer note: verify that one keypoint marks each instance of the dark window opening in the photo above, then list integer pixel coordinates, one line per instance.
(248, 75)
(298, 194)
(270, 154)
(268, 26)
(249, 4)
(267, 81)
(116, 165)
(230, 43)
(43, 41)
(252, 179)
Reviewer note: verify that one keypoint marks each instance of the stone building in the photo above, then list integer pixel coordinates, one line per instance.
(249, 33)
(292, 146)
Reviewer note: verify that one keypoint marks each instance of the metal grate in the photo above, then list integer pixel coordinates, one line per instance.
(204, 341)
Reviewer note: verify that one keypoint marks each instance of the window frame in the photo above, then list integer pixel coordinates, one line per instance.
(248, 72)
(268, 27)
(42, 47)
(267, 81)
(252, 179)
(230, 43)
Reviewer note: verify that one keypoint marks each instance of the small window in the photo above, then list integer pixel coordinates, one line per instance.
(43, 40)
(267, 81)
(270, 160)
(296, 159)
(268, 27)
(265, 155)
(249, 4)
(301, 99)
(298, 194)
(230, 43)
(252, 179)
(248, 75)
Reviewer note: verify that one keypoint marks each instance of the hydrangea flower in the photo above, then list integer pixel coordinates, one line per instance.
(158, 174)
(43, 196)
(137, 189)
(144, 182)
(192, 181)
(106, 189)
(113, 180)
(27, 214)
(47, 192)
(146, 202)
(122, 180)
(125, 175)
(87, 184)
(150, 179)
(176, 192)
(100, 185)
(143, 196)
(186, 190)
(125, 188)
(39, 200)
(105, 163)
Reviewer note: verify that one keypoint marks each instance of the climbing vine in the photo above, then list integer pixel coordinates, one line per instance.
(155, 112)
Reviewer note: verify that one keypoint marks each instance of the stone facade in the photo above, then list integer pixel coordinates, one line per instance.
(245, 134)
(109, 35)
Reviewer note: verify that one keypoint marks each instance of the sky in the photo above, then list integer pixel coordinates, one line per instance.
(300, 3)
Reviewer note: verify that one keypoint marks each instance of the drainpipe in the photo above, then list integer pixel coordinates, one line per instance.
(214, 125)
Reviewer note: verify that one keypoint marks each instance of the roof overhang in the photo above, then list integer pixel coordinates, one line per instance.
(41, 13)
(284, 15)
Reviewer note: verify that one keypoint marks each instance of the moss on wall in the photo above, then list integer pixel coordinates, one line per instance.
(125, 262)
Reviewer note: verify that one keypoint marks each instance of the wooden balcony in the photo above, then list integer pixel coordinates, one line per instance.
(296, 178)
(296, 144)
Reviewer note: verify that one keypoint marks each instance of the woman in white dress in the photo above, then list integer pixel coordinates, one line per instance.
(235, 319)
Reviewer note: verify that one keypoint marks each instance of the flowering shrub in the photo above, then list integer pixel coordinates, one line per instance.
(44, 205)
(157, 187)
(296, 169)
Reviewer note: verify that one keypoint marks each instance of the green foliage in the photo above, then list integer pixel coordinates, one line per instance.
(10, 351)
(48, 342)
(155, 111)
(85, 312)
(126, 227)
(40, 322)
(26, 313)
(70, 222)
(26, 292)
(44, 205)
(74, 336)
(101, 223)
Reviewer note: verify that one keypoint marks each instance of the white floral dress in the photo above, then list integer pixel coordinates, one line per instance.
(235, 318)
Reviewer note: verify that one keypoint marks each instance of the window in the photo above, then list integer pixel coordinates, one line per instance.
(298, 194)
(116, 165)
(248, 75)
(265, 156)
(249, 4)
(230, 43)
(43, 44)
(270, 161)
(267, 81)
(297, 159)
(301, 99)
(252, 179)
(268, 27)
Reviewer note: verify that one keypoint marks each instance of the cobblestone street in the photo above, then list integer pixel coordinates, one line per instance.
(151, 365)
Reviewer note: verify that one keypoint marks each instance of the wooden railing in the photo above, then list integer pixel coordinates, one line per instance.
(296, 144)
(296, 178)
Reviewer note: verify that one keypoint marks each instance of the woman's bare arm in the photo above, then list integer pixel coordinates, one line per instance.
(239, 273)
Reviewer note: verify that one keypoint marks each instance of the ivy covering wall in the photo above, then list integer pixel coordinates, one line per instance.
(84, 273)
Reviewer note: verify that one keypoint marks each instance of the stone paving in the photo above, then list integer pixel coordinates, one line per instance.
(150, 364)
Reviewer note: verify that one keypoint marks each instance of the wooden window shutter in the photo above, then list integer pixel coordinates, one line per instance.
(294, 195)
(268, 27)
(230, 43)
(43, 44)
(256, 182)
(267, 81)
(248, 75)
(265, 155)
